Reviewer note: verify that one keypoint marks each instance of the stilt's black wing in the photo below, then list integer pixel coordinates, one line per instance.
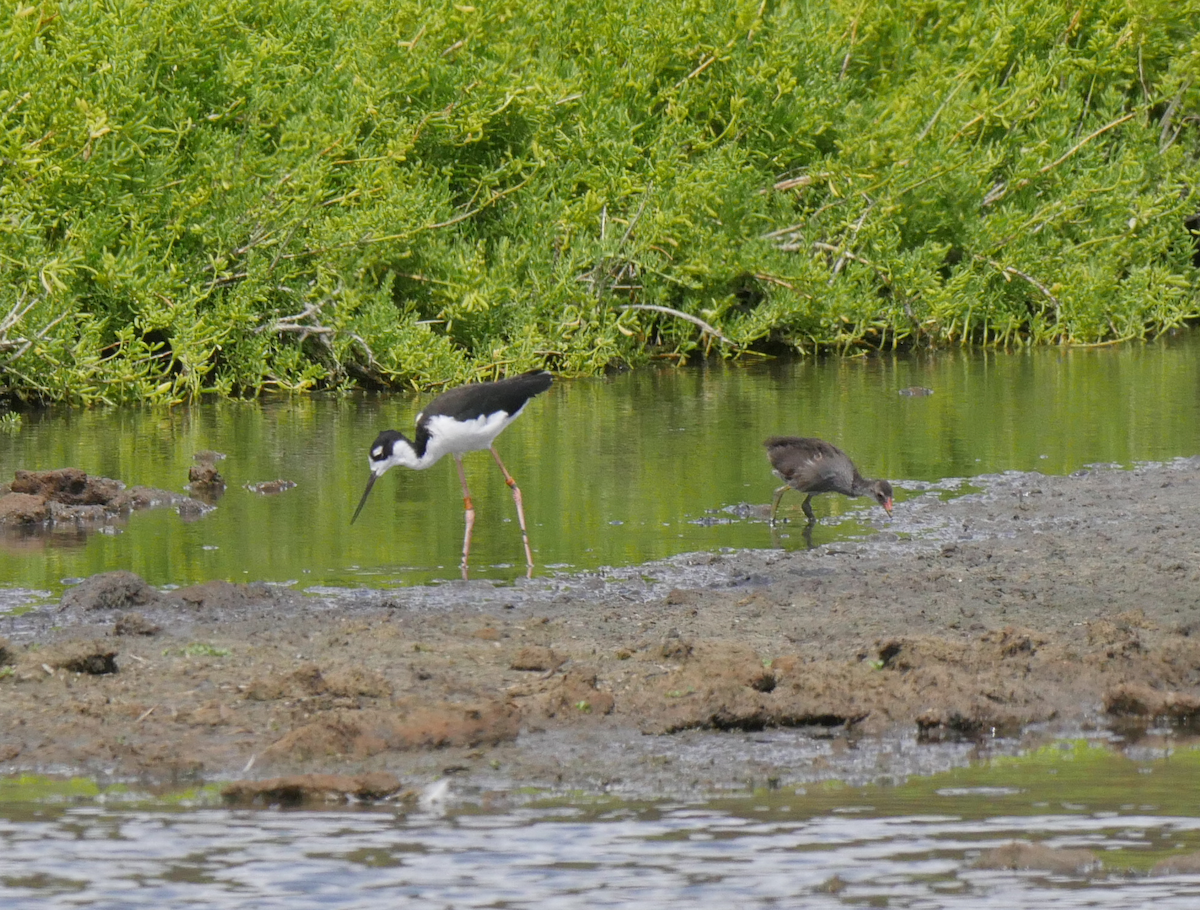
(477, 399)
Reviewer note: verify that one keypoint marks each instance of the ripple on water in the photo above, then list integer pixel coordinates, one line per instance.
(786, 848)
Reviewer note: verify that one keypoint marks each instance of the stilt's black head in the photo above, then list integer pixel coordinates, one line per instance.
(382, 450)
(390, 448)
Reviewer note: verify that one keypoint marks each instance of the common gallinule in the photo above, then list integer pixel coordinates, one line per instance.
(814, 466)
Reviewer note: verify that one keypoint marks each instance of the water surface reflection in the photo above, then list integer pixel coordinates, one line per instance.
(915, 845)
(615, 472)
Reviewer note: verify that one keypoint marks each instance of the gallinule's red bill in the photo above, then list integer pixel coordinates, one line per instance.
(465, 419)
(815, 466)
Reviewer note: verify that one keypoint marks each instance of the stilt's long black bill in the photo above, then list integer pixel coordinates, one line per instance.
(362, 502)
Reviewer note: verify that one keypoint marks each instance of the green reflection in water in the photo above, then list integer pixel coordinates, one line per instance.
(1017, 794)
(1068, 777)
(614, 472)
(29, 797)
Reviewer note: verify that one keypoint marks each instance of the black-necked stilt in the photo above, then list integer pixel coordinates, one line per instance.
(464, 419)
(815, 466)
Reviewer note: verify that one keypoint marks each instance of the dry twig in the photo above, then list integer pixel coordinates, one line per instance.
(678, 314)
(1000, 190)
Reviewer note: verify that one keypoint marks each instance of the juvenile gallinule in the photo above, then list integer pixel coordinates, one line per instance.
(815, 466)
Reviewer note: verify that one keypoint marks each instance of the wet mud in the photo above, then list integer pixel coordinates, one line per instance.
(1036, 606)
(67, 501)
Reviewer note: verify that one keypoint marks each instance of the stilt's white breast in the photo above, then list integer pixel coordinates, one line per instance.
(450, 436)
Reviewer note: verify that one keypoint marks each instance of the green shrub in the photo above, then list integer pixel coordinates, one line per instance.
(245, 195)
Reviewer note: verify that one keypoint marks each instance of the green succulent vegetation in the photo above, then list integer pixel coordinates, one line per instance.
(248, 195)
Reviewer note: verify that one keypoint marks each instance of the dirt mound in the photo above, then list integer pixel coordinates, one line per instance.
(359, 734)
(112, 591)
(223, 597)
(109, 591)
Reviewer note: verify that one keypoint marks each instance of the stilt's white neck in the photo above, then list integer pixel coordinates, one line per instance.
(402, 454)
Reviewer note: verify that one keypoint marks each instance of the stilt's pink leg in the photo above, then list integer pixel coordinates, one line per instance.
(470, 514)
(516, 491)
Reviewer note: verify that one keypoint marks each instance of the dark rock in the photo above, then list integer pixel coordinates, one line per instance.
(270, 487)
(299, 789)
(205, 474)
(70, 496)
(205, 481)
(192, 509)
(60, 513)
(146, 498)
(135, 624)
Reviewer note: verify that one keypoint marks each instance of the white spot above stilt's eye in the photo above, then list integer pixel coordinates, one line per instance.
(377, 452)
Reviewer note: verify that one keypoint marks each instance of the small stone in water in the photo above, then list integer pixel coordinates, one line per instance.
(270, 487)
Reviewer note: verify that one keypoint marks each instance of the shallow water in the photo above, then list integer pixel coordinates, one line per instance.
(819, 845)
(614, 472)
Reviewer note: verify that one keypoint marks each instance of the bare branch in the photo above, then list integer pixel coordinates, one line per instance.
(27, 343)
(14, 316)
(1163, 142)
(830, 248)
(626, 270)
(678, 315)
(1000, 190)
(636, 216)
(292, 324)
(704, 64)
(850, 48)
(841, 261)
(1008, 271)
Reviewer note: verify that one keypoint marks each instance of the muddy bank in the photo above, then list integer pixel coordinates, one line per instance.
(1039, 604)
(68, 501)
